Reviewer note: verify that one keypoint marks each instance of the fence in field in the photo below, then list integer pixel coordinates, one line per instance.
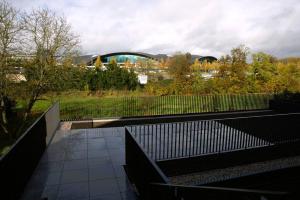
(163, 105)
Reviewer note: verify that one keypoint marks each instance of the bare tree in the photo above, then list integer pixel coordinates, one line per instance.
(10, 28)
(50, 40)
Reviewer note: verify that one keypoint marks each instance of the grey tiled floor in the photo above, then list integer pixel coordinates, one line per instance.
(84, 164)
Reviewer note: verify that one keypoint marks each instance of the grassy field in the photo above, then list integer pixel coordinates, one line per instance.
(78, 106)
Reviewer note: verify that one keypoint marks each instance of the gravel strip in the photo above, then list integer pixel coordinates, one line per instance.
(234, 172)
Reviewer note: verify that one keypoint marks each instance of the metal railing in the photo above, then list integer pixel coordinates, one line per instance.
(163, 105)
(187, 192)
(188, 139)
(148, 146)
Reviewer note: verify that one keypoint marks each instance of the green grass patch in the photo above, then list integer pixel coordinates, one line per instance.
(75, 106)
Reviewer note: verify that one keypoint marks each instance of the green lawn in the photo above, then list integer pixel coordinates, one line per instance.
(80, 106)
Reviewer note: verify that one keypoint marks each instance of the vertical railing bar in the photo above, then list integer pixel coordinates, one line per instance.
(159, 157)
(176, 140)
(217, 147)
(232, 135)
(210, 135)
(144, 136)
(179, 141)
(240, 132)
(152, 142)
(168, 143)
(213, 130)
(172, 142)
(164, 144)
(195, 139)
(147, 140)
(223, 130)
(203, 137)
(191, 133)
(140, 134)
(200, 133)
(183, 139)
(156, 142)
(186, 133)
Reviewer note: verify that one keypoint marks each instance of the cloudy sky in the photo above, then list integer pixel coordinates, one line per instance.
(204, 27)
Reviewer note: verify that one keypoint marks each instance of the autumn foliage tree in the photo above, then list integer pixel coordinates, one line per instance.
(10, 28)
(98, 63)
(50, 40)
(179, 68)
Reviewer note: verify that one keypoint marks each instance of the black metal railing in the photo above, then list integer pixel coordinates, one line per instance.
(146, 145)
(162, 105)
(189, 139)
(18, 164)
(187, 192)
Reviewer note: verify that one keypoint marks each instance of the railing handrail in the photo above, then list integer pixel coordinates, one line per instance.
(222, 119)
(28, 130)
(187, 95)
(222, 189)
(136, 106)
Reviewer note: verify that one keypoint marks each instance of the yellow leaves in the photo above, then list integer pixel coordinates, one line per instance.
(98, 63)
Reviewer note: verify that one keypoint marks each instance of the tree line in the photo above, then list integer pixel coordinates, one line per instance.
(240, 72)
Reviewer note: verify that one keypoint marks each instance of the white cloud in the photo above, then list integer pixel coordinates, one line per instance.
(206, 27)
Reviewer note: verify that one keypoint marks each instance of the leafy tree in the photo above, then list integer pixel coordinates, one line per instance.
(113, 77)
(195, 67)
(10, 28)
(50, 41)
(128, 65)
(288, 78)
(179, 67)
(98, 63)
(239, 68)
(263, 70)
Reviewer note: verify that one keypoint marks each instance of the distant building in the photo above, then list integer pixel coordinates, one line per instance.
(132, 57)
(143, 79)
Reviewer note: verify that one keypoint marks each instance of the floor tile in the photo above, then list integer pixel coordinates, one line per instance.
(73, 176)
(53, 178)
(76, 147)
(74, 191)
(95, 162)
(97, 153)
(50, 192)
(124, 185)
(129, 195)
(100, 145)
(119, 171)
(75, 164)
(101, 172)
(51, 166)
(102, 187)
(76, 155)
(52, 157)
(116, 196)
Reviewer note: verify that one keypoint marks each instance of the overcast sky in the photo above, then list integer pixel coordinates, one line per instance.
(204, 27)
